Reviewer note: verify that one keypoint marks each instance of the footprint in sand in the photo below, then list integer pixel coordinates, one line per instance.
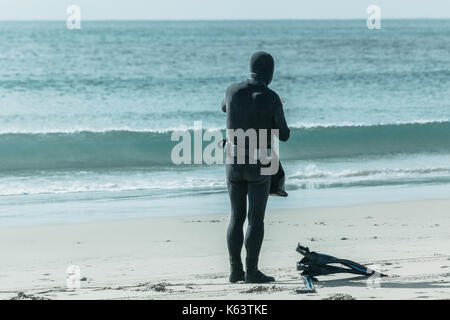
(340, 296)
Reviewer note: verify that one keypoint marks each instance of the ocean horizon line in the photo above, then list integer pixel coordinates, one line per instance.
(232, 19)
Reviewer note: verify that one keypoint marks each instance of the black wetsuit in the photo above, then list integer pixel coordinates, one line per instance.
(251, 104)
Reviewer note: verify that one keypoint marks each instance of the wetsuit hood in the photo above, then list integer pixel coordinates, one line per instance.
(262, 66)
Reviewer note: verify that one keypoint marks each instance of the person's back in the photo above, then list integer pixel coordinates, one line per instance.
(251, 105)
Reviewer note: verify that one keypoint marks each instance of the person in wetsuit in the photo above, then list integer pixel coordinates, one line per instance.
(251, 105)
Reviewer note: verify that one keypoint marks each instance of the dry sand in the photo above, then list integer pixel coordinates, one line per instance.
(185, 257)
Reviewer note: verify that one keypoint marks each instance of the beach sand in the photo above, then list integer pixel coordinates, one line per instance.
(186, 257)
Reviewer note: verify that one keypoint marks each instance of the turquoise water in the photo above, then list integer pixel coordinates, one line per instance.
(86, 115)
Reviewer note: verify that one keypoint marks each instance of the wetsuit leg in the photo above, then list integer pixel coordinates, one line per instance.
(235, 234)
(258, 193)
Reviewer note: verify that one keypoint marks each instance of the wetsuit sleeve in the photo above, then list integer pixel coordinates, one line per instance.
(224, 101)
(224, 104)
(280, 121)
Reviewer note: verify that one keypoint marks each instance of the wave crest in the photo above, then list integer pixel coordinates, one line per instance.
(126, 149)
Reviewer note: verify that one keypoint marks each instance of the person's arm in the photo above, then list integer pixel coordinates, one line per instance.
(225, 100)
(280, 121)
(224, 104)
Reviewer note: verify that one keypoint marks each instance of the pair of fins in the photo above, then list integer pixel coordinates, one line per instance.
(316, 264)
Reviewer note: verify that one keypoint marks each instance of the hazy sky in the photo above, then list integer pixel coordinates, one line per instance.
(221, 9)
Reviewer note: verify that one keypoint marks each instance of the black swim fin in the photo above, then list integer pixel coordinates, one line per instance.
(316, 264)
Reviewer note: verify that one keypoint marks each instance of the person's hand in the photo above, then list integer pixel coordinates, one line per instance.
(282, 100)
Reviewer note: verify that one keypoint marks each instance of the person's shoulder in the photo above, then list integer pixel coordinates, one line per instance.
(273, 95)
(272, 92)
(235, 87)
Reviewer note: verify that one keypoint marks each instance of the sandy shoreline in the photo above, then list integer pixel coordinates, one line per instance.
(185, 257)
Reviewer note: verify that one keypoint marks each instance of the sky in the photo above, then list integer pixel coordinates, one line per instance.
(220, 9)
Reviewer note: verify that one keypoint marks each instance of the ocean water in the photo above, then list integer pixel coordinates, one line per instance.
(86, 115)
